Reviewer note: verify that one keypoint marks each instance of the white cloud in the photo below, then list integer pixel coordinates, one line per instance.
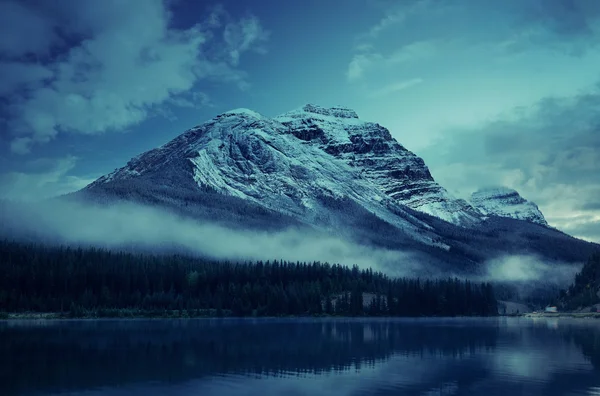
(395, 87)
(360, 63)
(367, 60)
(399, 13)
(128, 62)
(51, 181)
(128, 224)
(529, 268)
(244, 36)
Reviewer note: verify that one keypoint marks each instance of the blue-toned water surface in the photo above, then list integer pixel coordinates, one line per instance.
(480, 356)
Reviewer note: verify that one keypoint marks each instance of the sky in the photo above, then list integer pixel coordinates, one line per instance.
(488, 93)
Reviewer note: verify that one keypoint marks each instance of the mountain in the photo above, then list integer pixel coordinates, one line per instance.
(326, 170)
(506, 202)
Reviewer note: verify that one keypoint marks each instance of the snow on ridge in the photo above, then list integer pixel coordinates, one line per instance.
(336, 114)
(490, 192)
(243, 111)
(335, 111)
(506, 202)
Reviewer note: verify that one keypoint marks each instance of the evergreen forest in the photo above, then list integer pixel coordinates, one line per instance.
(92, 282)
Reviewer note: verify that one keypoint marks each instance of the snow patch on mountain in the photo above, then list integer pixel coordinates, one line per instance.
(243, 111)
(371, 150)
(506, 202)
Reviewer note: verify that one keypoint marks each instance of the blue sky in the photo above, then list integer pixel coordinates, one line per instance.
(488, 93)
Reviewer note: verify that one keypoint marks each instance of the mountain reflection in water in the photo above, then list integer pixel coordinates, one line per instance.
(301, 356)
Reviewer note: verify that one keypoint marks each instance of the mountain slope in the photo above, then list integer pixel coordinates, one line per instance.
(324, 169)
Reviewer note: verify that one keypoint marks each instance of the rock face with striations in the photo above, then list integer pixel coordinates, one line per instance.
(506, 202)
(371, 150)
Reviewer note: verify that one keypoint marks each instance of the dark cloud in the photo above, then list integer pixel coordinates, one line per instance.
(565, 17)
(591, 205)
(556, 141)
(79, 67)
(24, 30)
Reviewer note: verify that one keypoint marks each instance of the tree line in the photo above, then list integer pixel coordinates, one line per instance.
(97, 282)
(585, 290)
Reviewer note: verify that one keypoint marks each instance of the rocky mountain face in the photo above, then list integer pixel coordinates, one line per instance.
(289, 160)
(260, 160)
(371, 151)
(326, 169)
(506, 202)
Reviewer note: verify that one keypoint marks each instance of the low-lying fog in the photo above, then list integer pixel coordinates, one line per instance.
(129, 225)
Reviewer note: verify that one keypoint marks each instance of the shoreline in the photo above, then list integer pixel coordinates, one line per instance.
(206, 315)
(595, 315)
(173, 315)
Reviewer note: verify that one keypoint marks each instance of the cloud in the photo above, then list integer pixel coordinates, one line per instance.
(360, 63)
(42, 179)
(398, 13)
(550, 152)
(528, 269)
(244, 36)
(395, 87)
(120, 64)
(21, 145)
(18, 75)
(591, 205)
(367, 60)
(192, 100)
(564, 17)
(568, 26)
(130, 225)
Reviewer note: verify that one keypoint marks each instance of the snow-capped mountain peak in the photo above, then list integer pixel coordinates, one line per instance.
(243, 112)
(335, 111)
(506, 202)
(245, 154)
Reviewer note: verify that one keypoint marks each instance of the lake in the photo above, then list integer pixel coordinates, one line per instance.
(480, 356)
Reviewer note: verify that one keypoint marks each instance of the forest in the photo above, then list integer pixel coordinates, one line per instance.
(585, 291)
(93, 282)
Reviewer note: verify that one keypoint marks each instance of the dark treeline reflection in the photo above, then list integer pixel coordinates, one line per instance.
(73, 355)
(588, 341)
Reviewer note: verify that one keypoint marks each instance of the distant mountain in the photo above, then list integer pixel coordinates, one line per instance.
(325, 169)
(506, 202)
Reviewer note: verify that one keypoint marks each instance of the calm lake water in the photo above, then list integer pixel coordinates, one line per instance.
(495, 356)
